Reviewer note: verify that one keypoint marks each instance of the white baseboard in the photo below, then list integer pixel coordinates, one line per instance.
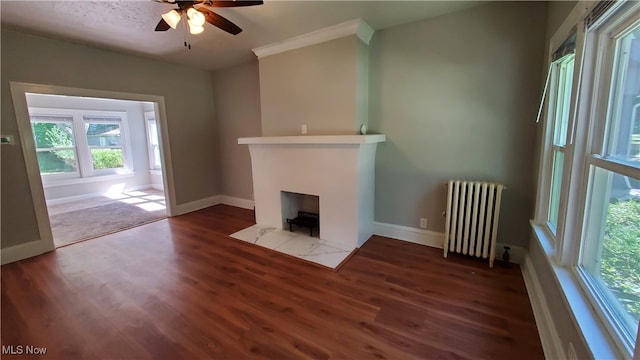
(69, 199)
(23, 251)
(197, 205)
(237, 202)
(435, 239)
(551, 343)
(157, 187)
(405, 233)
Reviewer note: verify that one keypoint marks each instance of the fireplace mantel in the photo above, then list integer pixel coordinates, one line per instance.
(315, 139)
(339, 169)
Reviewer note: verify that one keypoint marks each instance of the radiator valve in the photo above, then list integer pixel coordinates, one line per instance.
(506, 256)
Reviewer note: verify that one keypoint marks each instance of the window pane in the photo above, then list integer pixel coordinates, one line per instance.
(57, 161)
(107, 158)
(156, 157)
(624, 137)
(52, 134)
(101, 134)
(556, 184)
(611, 251)
(563, 100)
(153, 132)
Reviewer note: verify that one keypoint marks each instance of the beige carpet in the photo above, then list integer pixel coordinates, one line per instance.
(115, 215)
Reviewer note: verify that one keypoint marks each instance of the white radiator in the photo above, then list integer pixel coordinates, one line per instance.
(473, 210)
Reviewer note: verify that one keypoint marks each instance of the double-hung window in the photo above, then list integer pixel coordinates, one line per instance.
(55, 145)
(104, 140)
(74, 143)
(589, 185)
(559, 118)
(152, 140)
(609, 261)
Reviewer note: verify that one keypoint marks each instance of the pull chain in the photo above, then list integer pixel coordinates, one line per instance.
(184, 35)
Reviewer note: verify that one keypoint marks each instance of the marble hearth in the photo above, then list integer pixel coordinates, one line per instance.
(339, 169)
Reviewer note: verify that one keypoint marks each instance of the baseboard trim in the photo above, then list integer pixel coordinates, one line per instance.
(405, 233)
(23, 251)
(198, 204)
(69, 199)
(551, 343)
(237, 202)
(435, 239)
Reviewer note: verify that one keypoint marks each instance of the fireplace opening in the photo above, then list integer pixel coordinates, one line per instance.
(301, 213)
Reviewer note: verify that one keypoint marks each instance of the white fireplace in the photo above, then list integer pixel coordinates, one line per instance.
(338, 169)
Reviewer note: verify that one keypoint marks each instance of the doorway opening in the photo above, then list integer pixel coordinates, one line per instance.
(96, 159)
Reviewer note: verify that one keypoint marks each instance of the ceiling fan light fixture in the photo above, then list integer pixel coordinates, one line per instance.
(172, 18)
(195, 28)
(195, 17)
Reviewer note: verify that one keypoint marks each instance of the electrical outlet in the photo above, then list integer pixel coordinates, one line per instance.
(423, 223)
(303, 129)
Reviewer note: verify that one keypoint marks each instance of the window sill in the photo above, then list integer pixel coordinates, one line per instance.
(92, 179)
(155, 171)
(589, 325)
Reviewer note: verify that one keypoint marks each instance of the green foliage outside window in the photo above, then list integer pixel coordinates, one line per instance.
(107, 158)
(620, 261)
(54, 135)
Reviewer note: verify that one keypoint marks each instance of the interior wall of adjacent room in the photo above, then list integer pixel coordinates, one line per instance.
(457, 97)
(189, 110)
(137, 135)
(236, 94)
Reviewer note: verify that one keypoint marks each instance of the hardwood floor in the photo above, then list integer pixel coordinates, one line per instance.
(180, 288)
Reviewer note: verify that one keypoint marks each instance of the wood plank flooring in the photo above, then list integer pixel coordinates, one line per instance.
(180, 288)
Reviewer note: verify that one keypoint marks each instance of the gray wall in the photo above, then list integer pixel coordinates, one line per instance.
(457, 97)
(188, 96)
(315, 85)
(237, 100)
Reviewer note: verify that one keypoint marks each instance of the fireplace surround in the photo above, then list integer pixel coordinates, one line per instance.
(339, 169)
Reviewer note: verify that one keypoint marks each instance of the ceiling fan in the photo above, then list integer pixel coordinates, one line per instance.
(198, 13)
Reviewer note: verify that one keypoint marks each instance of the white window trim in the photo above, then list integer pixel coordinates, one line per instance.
(85, 171)
(563, 254)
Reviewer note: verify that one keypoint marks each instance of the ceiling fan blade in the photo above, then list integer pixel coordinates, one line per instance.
(162, 26)
(232, 3)
(217, 20)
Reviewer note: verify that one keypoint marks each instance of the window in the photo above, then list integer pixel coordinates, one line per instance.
(79, 143)
(589, 186)
(55, 145)
(152, 139)
(610, 242)
(104, 141)
(559, 119)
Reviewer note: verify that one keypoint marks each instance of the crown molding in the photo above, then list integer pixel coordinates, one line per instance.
(354, 27)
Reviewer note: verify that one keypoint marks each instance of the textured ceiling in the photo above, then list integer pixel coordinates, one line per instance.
(127, 26)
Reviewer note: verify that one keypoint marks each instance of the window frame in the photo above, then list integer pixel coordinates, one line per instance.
(83, 150)
(565, 248)
(545, 175)
(62, 119)
(603, 68)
